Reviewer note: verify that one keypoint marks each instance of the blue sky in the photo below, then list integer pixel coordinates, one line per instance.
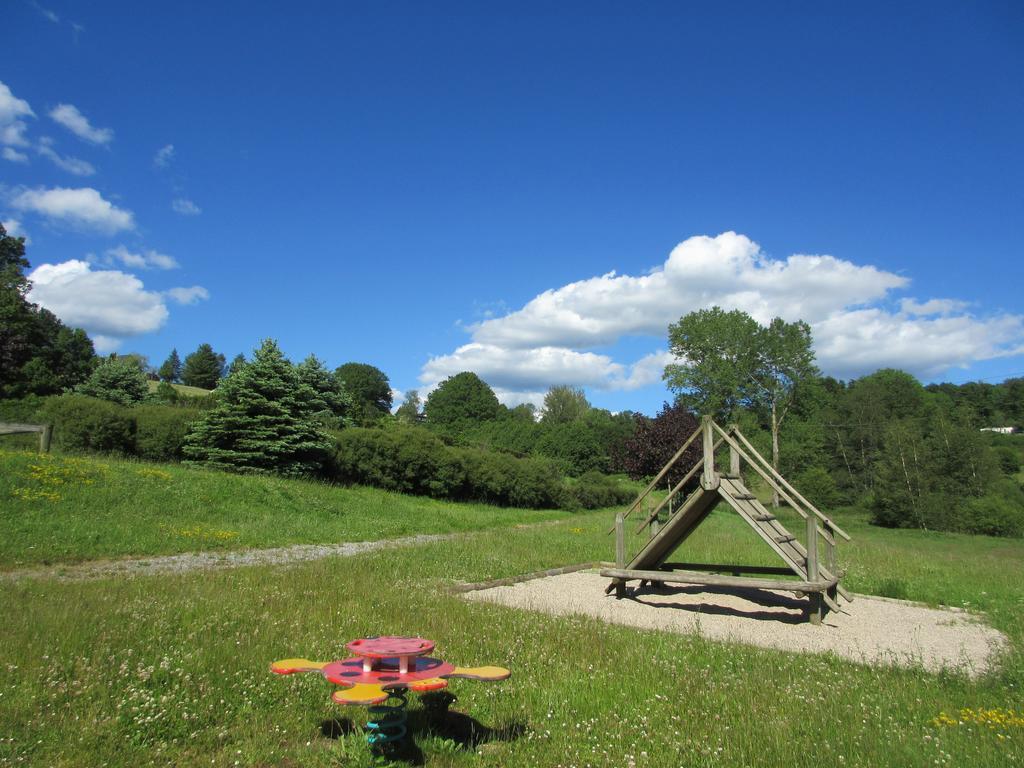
(527, 191)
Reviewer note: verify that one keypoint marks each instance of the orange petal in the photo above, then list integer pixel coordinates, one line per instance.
(481, 673)
(290, 666)
(360, 693)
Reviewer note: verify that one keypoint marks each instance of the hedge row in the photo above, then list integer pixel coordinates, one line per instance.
(403, 459)
(85, 424)
(412, 460)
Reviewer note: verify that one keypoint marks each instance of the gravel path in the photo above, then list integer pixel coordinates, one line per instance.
(207, 561)
(875, 631)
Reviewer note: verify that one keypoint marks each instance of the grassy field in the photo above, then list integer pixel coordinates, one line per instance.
(62, 509)
(173, 670)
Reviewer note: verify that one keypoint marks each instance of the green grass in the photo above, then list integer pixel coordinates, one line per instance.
(181, 389)
(172, 670)
(61, 509)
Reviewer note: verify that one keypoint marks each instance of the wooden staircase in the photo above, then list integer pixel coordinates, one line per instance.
(818, 577)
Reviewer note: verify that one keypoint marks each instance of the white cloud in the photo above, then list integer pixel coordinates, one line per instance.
(163, 156)
(143, 260)
(71, 118)
(46, 12)
(14, 155)
(106, 303)
(83, 207)
(12, 109)
(848, 306)
(13, 227)
(191, 295)
(185, 207)
(69, 164)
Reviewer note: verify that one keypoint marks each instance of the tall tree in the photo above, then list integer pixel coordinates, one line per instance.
(729, 361)
(203, 368)
(264, 421)
(38, 353)
(369, 389)
(564, 404)
(236, 363)
(717, 355)
(170, 370)
(460, 400)
(410, 411)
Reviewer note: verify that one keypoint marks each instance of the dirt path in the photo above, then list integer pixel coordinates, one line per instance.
(208, 561)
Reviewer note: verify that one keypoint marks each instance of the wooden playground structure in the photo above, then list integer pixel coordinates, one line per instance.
(812, 560)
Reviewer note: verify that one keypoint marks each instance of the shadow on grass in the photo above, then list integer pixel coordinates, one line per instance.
(433, 719)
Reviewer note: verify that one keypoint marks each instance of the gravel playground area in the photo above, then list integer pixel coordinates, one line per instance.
(875, 631)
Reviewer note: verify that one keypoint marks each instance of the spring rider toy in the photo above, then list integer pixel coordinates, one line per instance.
(381, 673)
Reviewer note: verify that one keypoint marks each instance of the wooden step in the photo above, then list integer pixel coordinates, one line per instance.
(745, 496)
(765, 518)
(785, 539)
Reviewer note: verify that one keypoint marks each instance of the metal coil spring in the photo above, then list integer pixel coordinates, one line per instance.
(387, 720)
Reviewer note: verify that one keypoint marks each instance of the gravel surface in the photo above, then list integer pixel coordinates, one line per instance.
(875, 631)
(206, 561)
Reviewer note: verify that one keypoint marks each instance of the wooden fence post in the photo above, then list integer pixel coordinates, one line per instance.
(45, 437)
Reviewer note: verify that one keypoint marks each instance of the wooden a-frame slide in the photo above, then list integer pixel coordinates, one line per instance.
(818, 576)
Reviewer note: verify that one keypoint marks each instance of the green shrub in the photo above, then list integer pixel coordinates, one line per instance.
(403, 459)
(594, 491)
(413, 460)
(817, 486)
(1008, 459)
(82, 423)
(160, 431)
(1000, 512)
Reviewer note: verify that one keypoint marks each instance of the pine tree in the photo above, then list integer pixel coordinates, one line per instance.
(334, 406)
(203, 368)
(170, 371)
(237, 363)
(262, 423)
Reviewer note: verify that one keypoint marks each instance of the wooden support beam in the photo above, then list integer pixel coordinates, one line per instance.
(664, 470)
(734, 458)
(782, 481)
(774, 570)
(683, 481)
(691, 577)
(620, 552)
(709, 480)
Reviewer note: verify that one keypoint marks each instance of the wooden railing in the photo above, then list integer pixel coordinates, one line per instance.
(45, 432)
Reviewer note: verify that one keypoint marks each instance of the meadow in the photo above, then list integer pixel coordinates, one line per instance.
(172, 670)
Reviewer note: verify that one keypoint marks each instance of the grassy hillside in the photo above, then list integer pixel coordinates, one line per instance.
(61, 509)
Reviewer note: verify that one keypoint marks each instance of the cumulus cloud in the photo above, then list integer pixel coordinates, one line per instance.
(83, 207)
(69, 164)
(71, 118)
(12, 127)
(848, 305)
(163, 156)
(185, 207)
(191, 295)
(9, 153)
(142, 260)
(106, 303)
